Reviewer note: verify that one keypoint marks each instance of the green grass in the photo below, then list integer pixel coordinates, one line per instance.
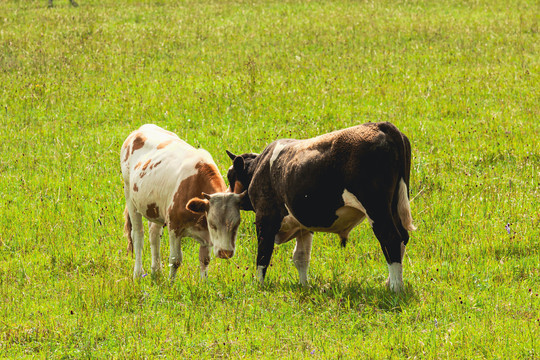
(460, 78)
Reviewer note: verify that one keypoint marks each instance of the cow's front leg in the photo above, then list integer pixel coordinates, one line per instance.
(267, 228)
(302, 254)
(175, 255)
(204, 260)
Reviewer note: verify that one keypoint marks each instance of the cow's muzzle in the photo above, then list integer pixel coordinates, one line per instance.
(225, 254)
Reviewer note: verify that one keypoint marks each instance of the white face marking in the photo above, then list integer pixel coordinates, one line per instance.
(275, 153)
(395, 277)
(350, 200)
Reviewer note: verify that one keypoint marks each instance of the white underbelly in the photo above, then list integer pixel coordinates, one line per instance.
(348, 216)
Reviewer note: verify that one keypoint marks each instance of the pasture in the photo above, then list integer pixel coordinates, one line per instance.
(459, 78)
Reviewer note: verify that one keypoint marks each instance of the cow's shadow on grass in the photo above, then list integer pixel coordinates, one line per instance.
(348, 295)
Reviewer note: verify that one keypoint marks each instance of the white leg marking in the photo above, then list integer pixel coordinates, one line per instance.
(155, 239)
(260, 275)
(302, 254)
(350, 200)
(395, 277)
(275, 153)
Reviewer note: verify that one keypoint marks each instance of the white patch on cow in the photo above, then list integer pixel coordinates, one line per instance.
(395, 277)
(260, 274)
(350, 200)
(275, 153)
(404, 209)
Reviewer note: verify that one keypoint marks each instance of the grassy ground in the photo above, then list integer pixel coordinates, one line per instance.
(460, 78)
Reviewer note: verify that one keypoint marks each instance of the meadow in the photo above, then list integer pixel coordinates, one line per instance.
(459, 78)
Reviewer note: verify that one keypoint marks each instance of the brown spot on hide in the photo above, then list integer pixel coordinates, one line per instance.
(135, 187)
(152, 211)
(138, 142)
(211, 173)
(208, 180)
(154, 165)
(127, 154)
(165, 143)
(138, 165)
(128, 140)
(146, 164)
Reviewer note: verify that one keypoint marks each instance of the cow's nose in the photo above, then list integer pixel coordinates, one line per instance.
(225, 254)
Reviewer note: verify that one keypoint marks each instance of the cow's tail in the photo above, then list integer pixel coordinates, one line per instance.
(403, 205)
(404, 208)
(127, 230)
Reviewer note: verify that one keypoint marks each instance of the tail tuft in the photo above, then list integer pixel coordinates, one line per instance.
(404, 209)
(127, 230)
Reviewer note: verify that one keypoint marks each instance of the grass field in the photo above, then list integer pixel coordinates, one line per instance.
(460, 78)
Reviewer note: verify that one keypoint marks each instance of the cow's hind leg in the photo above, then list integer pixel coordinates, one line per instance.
(155, 233)
(302, 254)
(175, 256)
(137, 234)
(382, 222)
(391, 244)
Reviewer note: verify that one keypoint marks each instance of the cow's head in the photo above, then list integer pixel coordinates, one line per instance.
(240, 174)
(222, 212)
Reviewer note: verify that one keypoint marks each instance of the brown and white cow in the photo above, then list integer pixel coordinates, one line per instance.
(163, 180)
(329, 183)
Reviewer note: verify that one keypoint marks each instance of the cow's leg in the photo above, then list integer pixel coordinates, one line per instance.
(390, 239)
(377, 207)
(155, 232)
(204, 260)
(175, 256)
(267, 228)
(302, 254)
(137, 234)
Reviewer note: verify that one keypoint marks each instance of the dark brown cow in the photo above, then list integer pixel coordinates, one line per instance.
(330, 184)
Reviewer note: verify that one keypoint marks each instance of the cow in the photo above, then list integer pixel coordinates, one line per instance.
(329, 183)
(171, 183)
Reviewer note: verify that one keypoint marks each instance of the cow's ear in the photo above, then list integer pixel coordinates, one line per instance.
(231, 155)
(239, 164)
(198, 206)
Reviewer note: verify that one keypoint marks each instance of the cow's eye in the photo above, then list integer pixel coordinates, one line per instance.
(213, 227)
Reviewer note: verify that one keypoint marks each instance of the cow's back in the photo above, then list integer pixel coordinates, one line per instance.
(310, 176)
